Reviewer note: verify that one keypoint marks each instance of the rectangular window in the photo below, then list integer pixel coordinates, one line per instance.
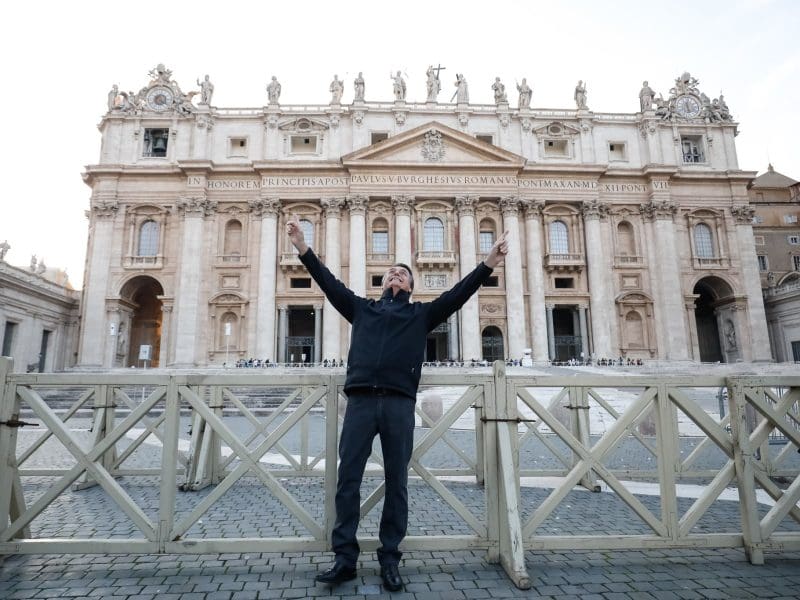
(692, 148)
(304, 144)
(564, 282)
(486, 241)
(492, 281)
(301, 282)
(556, 148)
(237, 147)
(790, 218)
(155, 142)
(794, 240)
(8, 338)
(616, 151)
(378, 136)
(377, 281)
(796, 262)
(380, 242)
(763, 264)
(485, 137)
(759, 240)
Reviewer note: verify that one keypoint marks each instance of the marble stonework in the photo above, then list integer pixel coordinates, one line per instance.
(189, 205)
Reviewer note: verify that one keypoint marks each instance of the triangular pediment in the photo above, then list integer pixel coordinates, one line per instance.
(433, 144)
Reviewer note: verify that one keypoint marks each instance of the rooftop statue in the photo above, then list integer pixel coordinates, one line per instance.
(4, 247)
(499, 91)
(274, 90)
(433, 84)
(398, 87)
(646, 97)
(525, 94)
(358, 88)
(336, 89)
(206, 90)
(580, 96)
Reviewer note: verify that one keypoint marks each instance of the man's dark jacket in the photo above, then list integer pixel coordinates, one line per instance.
(387, 346)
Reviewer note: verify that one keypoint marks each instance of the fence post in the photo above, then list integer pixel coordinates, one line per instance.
(512, 550)
(331, 454)
(169, 464)
(743, 463)
(12, 500)
(579, 404)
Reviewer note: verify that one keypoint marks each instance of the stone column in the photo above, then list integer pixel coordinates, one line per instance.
(317, 337)
(759, 337)
(282, 327)
(584, 331)
(164, 357)
(470, 319)
(358, 244)
(113, 320)
(452, 337)
(402, 228)
(515, 301)
(331, 325)
(94, 328)
(551, 340)
(665, 263)
(534, 258)
(599, 273)
(267, 209)
(187, 298)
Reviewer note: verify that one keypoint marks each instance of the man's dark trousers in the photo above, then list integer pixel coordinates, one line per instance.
(370, 413)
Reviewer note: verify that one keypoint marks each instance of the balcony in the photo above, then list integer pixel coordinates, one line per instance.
(711, 262)
(143, 262)
(290, 261)
(626, 260)
(380, 258)
(437, 259)
(564, 263)
(231, 260)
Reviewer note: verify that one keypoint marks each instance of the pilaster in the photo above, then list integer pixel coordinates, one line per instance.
(515, 301)
(267, 208)
(470, 318)
(331, 324)
(403, 205)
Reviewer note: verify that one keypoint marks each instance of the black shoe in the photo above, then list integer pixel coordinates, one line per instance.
(391, 578)
(338, 573)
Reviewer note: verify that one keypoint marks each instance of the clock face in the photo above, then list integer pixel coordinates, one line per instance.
(159, 98)
(687, 106)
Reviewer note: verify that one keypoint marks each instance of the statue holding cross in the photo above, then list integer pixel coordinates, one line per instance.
(433, 83)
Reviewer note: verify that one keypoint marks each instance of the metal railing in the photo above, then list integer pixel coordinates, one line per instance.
(506, 456)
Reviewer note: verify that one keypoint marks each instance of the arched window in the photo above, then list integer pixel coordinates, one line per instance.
(626, 243)
(148, 238)
(559, 239)
(308, 231)
(380, 236)
(703, 242)
(233, 238)
(486, 236)
(228, 334)
(634, 330)
(492, 344)
(433, 239)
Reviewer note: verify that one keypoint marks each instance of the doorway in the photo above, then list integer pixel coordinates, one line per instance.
(145, 331)
(566, 338)
(300, 341)
(436, 346)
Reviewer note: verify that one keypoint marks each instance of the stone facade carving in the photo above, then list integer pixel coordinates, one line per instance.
(465, 205)
(265, 207)
(462, 90)
(402, 204)
(336, 89)
(358, 204)
(646, 97)
(499, 90)
(206, 90)
(509, 205)
(743, 215)
(358, 117)
(432, 84)
(533, 208)
(580, 96)
(594, 209)
(399, 87)
(105, 208)
(358, 88)
(332, 207)
(196, 206)
(525, 94)
(433, 146)
(659, 209)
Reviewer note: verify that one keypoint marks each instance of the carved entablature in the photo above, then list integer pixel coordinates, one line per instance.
(332, 207)
(265, 207)
(659, 209)
(204, 122)
(229, 299)
(358, 117)
(402, 204)
(357, 204)
(743, 215)
(465, 205)
(594, 209)
(303, 125)
(196, 206)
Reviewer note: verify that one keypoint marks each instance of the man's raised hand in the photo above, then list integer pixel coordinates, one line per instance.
(295, 233)
(498, 252)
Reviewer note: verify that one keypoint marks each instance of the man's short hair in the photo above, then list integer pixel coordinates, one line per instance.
(410, 274)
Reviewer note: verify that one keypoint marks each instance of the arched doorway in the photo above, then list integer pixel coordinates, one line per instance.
(145, 327)
(492, 344)
(713, 293)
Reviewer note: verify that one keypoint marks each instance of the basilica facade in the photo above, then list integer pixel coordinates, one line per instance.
(630, 233)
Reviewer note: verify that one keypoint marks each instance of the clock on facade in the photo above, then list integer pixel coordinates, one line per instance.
(687, 106)
(159, 98)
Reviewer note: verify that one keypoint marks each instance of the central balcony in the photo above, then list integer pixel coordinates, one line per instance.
(436, 259)
(564, 263)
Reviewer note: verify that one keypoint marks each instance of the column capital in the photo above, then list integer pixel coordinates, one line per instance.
(265, 207)
(357, 204)
(659, 209)
(332, 207)
(104, 208)
(402, 204)
(198, 206)
(510, 205)
(465, 205)
(594, 209)
(283, 306)
(533, 208)
(743, 214)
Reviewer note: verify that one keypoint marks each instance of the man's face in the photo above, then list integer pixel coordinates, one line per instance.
(397, 278)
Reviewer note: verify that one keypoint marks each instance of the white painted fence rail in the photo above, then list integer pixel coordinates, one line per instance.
(527, 445)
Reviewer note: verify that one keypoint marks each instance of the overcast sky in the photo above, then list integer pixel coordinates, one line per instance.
(60, 62)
